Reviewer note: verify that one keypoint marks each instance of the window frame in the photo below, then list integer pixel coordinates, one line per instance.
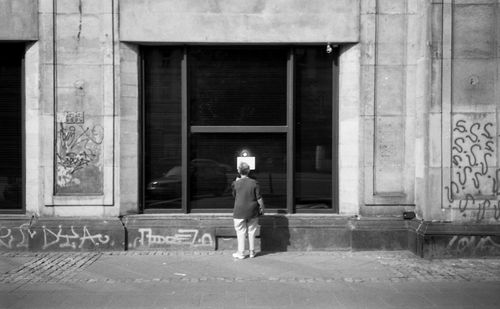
(288, 129)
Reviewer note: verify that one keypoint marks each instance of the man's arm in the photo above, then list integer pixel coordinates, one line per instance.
(261, 205)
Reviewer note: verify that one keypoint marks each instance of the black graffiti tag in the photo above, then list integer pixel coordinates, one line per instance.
(473, 149)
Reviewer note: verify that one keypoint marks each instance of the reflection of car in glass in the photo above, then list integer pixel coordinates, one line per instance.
(206, 177)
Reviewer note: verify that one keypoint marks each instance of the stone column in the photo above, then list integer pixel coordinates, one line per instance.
(78, 96)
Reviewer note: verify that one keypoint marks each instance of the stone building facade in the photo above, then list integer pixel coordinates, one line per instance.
(408, 88)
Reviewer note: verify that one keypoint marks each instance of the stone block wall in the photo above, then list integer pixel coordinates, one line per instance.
(464, 112)
(239, 21)
(418, 93)
(391, 46)
(74, 110)
(18, 20)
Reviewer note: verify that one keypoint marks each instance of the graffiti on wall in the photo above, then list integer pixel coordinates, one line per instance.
(72, 239)
(190, 237)
(19, 237)
(474, 175)
(473, 245)
(78, 154)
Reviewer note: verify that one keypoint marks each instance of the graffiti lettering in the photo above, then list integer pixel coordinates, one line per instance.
(6, 237)
(450, 192)
(460, 127)
(473, 148)
(458, 147)
(468, 198)
(488, 134)
(27, 234)
(488, 146)
(473, 245)
(464, 180)
(18, 235)
(77, 148)
(51, 238)
(182, 237)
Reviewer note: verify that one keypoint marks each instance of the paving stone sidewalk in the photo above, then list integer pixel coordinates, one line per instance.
(158, 266)
(214, 280)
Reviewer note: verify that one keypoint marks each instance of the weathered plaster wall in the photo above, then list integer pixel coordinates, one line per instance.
(18, 20)
(237, 21)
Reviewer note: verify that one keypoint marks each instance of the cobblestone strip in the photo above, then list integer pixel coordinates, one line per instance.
(50, 267)
(444, 270)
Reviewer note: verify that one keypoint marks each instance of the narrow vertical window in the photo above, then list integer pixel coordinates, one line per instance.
(162, 128)
(11, 101)
(313, 128)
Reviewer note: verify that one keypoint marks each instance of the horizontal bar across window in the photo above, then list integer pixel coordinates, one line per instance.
(239, 129)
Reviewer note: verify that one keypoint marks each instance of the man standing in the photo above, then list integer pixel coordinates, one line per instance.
(248, 204)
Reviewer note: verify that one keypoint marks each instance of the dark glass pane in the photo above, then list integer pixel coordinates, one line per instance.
(236, 86)
(162, 136)
(213, 167)
(313, 143)
(11, 126)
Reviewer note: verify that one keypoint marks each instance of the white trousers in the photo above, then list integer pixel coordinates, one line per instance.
(242, 227)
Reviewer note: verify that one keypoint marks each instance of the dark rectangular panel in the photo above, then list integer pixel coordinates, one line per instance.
(213, 167)
(237, 86)
(313, 128)
(11, 126)
(162, 117)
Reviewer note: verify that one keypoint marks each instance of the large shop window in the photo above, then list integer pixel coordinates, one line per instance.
(206, 107)
(11, 169)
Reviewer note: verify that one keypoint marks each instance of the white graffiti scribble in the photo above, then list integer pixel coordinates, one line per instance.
(182, 237)
(27, 234)
(473, 245)
(8, 236)
(70, 240)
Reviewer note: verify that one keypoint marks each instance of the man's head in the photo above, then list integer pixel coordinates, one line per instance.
(244, 169)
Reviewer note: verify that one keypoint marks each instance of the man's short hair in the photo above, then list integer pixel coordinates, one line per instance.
(244, 168)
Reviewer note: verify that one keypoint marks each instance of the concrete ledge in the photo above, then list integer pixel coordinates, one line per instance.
(304, 232)
(213, 232)
(380, 234)
(15, 232)
(442, 240)
(277, 233)
(61, 234)
(77, 234)
(172, 232)
(230, 232)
